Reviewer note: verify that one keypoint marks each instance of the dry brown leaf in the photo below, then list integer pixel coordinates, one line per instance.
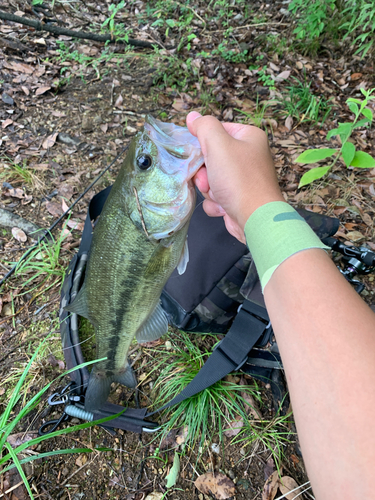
(299, 65)
(21, 437)
(54, 208)
(15, 193)
(355, 76)
(216, 484)
(180, 105)
(19, 235)
(73, 224)
(42, 90)
(40, 41)
(66, 190)
(50, 141)
(25, 89)
(367, 219)
(234, 427)
(6, 123)
(21, 67)
(154, 496)
(1, 306)
(55, 362)
(355, 236)
(289, 123)
(182, 435)
(283, 75)
(286, 485)
(119, 101)
(271, 486)
(104, 127)
(58, 114)
(228, 114)
(64, 206)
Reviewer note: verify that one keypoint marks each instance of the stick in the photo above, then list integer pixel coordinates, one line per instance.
(40, 26)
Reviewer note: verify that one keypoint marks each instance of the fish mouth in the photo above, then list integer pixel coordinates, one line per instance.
(179, 150)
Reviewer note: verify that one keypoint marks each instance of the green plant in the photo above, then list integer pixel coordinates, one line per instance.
(264, 78)
(44, 260)
(13, 415)
(117, 30)
(361, 17)
(300, 103)
(312, 18)
(234, 55)
(257, 116)
(347, 151)
(208, 412)
(19, 172)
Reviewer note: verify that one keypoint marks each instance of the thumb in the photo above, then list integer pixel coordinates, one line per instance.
(207, 129)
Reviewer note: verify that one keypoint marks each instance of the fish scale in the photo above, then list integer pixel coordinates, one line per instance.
(138, 241)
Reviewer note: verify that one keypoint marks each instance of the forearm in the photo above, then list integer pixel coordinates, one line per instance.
(326, 335)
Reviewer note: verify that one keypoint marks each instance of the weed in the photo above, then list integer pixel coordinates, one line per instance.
(117, 30)
(347, 152)
(14, 172)
(300, 103)
(257, 117)
(265, 78)
(234, 55)
(216, 409)
(14, 413)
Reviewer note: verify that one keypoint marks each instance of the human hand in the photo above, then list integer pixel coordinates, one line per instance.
(239, 175)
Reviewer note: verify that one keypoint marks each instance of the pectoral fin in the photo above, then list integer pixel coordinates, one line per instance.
(79, 305)
(184, 259)
(154, 327)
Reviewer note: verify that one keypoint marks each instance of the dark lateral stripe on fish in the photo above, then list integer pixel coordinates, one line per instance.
(127, 288)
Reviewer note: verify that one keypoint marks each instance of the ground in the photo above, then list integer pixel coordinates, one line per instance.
(68, 109)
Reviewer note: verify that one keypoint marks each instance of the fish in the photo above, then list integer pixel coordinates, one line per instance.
(140, 238)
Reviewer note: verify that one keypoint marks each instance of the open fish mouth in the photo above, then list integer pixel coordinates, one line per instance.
(179, 151)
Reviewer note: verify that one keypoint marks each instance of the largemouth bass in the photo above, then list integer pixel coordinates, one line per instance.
(141, 237)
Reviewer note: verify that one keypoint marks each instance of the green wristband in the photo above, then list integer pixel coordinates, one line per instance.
(274, 232)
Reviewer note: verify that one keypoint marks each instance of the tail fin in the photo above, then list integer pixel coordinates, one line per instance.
(127, 377)
(97, 391)
(99, 386)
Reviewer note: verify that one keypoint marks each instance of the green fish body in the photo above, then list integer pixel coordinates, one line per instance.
(140, 238)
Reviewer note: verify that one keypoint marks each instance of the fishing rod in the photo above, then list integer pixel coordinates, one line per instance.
(48, 231)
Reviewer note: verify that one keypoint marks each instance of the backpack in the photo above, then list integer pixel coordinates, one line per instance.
(219, 292)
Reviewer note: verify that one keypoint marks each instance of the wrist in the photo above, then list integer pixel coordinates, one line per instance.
(248, 205)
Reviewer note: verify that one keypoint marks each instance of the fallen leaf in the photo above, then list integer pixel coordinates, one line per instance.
(15, 193)
(81, 460)
(180, 105)
(58, 114)
(269, 468)
(367, 219)
(283, 75)
(119, 101)
(182, 435)
(355, 236)
(73, 224)
(66, 190)
(64, 206)
(19, 235)
(271, 486)
(42, 90)
(55, 362)
(289, 123)
(154, 496)
(104, 127)
(54, 208)
(299, 65)
(290, 488)
(22, 437)
(21, 67)
(40, 41)
(1, 306)
(355, 76)
(234, 427)
(50, 141)
(6, 123)
(216, 484)
(228, 114)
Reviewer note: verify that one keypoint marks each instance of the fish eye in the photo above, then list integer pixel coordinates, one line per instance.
(144, 162)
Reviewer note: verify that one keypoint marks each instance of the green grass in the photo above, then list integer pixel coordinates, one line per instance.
(213, 410)
(14, 414)
(300, 103)
(15, 172)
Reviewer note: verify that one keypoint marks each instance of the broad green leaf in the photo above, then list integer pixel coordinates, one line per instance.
(353, 107)
(362, 123)
(312, 175)
(332, 133)
(314, 155)
(351, 99)
(344, 130)
(348, 152)
(362, 160)
(174, 472)
(171, 23)
(367, 113)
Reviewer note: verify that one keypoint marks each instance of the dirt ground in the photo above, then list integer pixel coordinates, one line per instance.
(63, 121)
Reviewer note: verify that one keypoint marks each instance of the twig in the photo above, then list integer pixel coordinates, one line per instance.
(140, 213)
(40, 26)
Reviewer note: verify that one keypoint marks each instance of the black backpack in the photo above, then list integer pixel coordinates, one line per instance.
(219, 292)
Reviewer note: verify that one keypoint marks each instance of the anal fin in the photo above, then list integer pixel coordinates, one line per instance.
(154, 327)
(79, 305)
